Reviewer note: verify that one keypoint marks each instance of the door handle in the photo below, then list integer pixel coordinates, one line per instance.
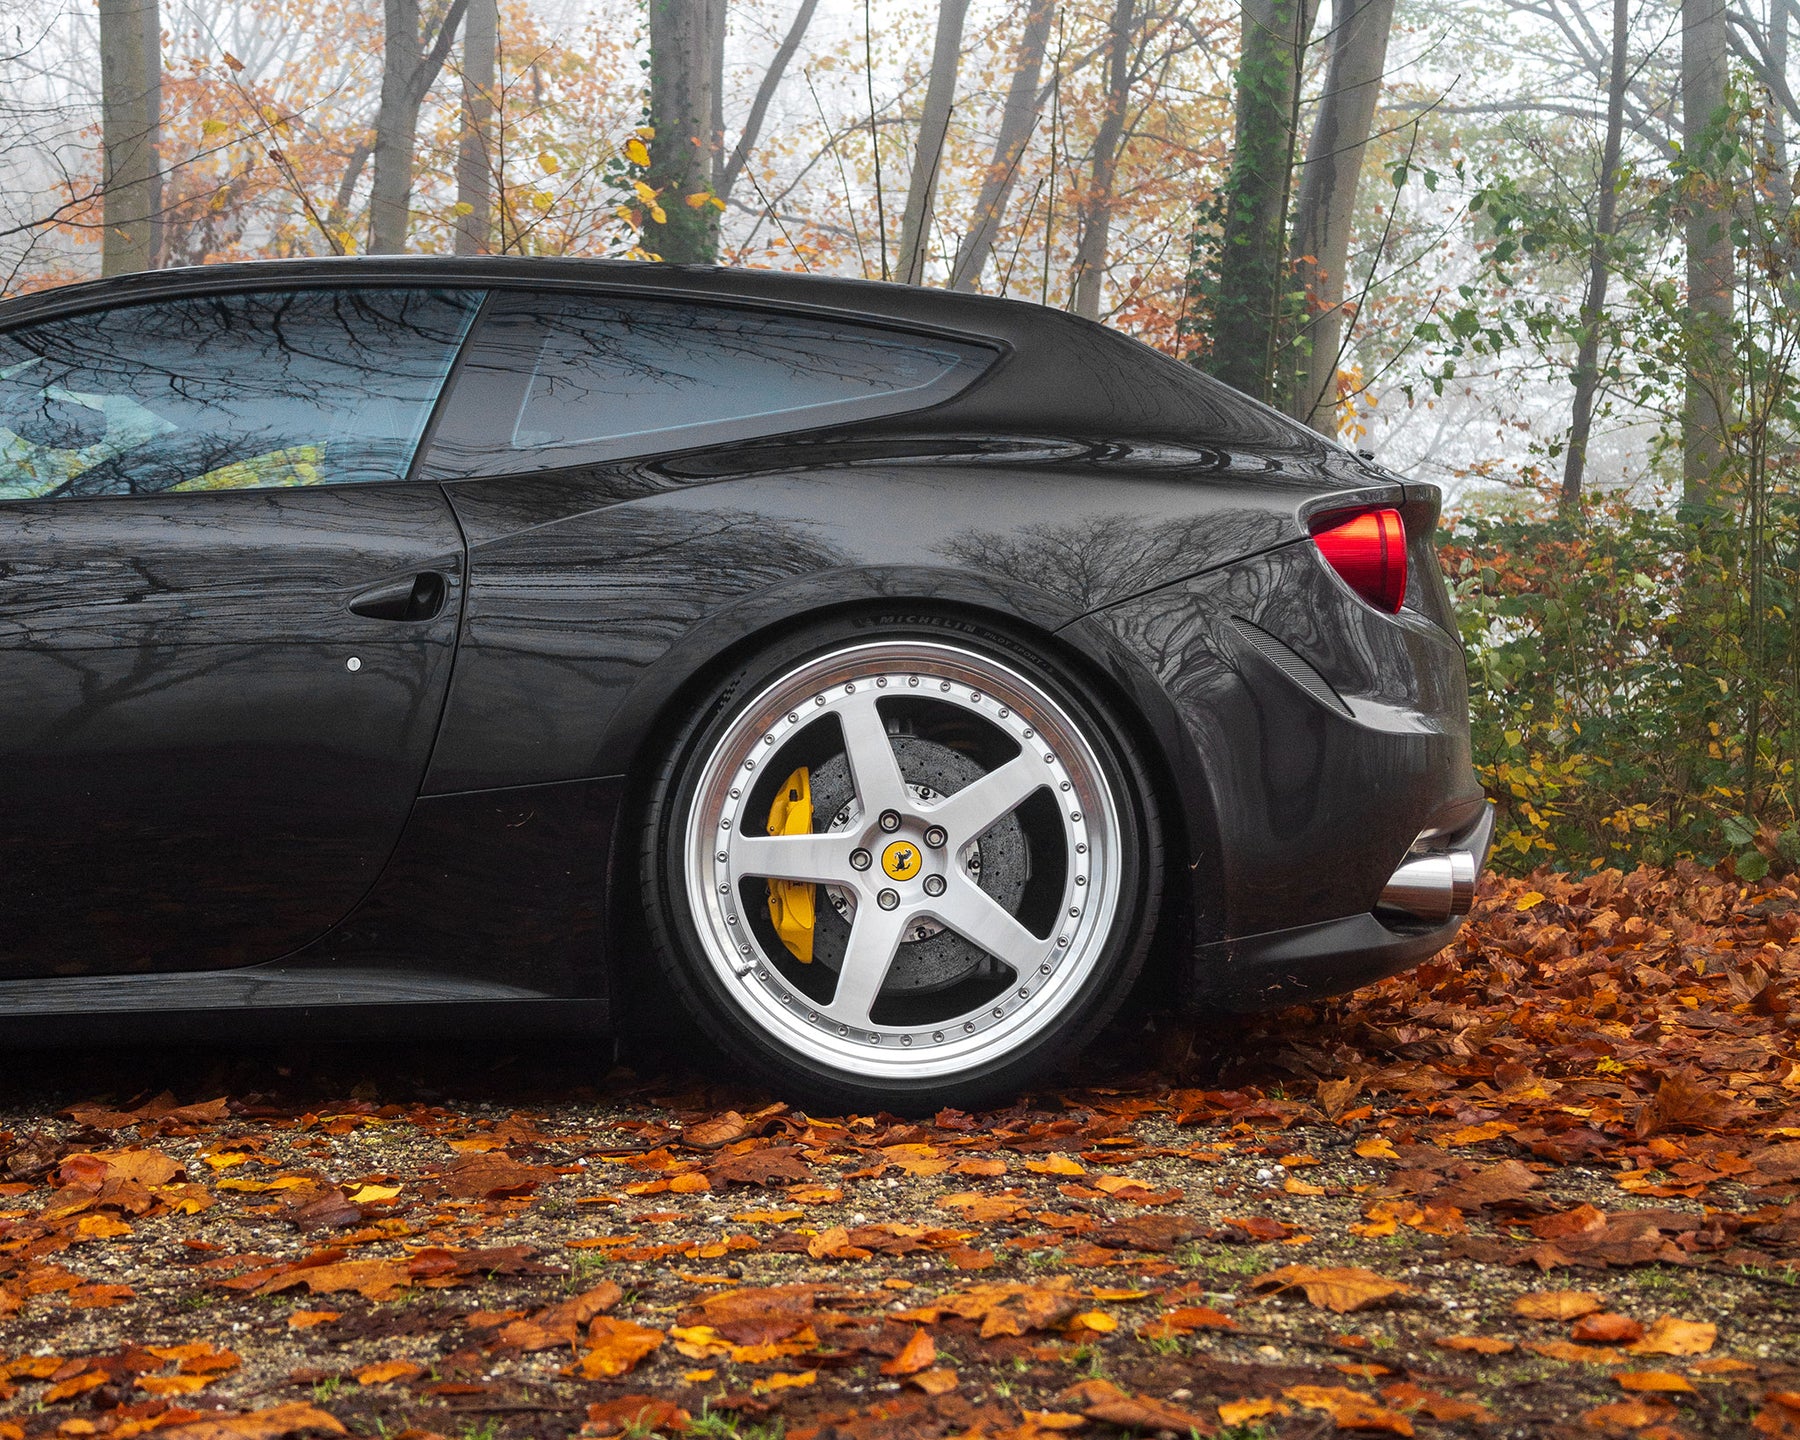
(417, 597)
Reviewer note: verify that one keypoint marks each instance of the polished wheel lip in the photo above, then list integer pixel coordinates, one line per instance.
(720, 853)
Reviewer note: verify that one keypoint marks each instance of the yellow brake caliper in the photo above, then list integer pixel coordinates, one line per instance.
(792, 902)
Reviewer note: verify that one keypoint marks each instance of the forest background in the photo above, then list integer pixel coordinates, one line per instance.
(1540, 252)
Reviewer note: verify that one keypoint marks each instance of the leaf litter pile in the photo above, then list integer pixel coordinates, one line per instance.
(1545, 1185)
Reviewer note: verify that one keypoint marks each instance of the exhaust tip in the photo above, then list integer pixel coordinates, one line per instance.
(1435, 888)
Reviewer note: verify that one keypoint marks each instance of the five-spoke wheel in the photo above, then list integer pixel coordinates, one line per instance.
(903, 867)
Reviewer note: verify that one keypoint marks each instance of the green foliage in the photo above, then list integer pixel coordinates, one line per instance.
(1618, 685)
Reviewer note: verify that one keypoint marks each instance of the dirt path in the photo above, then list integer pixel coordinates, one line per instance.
(1543, 1186)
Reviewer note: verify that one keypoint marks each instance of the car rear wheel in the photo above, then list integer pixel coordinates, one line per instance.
(901, 865)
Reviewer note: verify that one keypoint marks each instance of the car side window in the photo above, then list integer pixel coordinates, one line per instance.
(559, 380)
(225, 392)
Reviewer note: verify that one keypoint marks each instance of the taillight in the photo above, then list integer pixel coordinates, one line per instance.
(1369, 552)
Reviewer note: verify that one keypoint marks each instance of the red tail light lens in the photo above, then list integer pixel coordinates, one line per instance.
(1369, 552)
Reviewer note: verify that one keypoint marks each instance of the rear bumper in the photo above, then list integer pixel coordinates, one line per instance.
(1279, 967)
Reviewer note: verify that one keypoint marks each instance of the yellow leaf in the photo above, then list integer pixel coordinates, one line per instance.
(388, 1371)
(174, 1384)
(1242, 1412)
(1654, 1380)
(1527, 900)
(373, 1194)
(698, 1377)
(1055, 1165)
(785, 1382)
(644, 192)
(656, 214)
(548, 163)
(636, 151)
(542, 200)
(210, 128)
(1379, 1148)
(102, 1227)
(1096, 1320)
(699, 200)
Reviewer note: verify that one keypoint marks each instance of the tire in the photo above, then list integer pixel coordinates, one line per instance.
(983, 864)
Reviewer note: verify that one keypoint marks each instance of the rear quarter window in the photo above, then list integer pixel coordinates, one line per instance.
(553, 381)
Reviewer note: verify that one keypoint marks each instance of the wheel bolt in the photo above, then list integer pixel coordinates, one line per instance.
(935, 837)
(888, 899)
(890, 820)
(861, 859)
(934, 884)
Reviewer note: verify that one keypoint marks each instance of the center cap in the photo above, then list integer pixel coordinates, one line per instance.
(901, 860)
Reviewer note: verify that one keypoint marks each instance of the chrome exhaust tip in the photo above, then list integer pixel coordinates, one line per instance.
(1436, 887)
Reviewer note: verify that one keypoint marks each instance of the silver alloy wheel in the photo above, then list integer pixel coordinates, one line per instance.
(726, 846)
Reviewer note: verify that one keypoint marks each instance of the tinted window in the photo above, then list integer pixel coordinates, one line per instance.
(574, 378)
(226, 392)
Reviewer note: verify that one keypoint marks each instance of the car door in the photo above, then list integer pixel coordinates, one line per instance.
(227, 619)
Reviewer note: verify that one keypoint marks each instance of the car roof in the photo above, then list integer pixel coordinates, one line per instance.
(1065, 374)
(982, 315)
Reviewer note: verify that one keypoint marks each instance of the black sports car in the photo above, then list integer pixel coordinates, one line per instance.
(886, 678)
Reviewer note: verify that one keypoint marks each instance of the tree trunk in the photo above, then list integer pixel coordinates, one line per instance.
(1593, 305)
(765, 93)
(396, 128)
(131, 118)
(1018, 118)
(1709, 260)
(1097, 204)
(685, 82)
(408, 70)
(475, 150)
(1253, 250)
(1327, 203)
(934, 125)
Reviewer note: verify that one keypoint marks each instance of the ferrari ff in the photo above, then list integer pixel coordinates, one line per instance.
(886, 680)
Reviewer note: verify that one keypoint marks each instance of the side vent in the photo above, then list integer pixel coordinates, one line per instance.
(1290, 663)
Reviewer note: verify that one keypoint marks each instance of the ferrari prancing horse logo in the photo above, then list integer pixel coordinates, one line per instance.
(901, 860)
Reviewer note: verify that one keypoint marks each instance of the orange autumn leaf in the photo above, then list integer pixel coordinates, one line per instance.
(1242, 1412)
(273, 1424)
(615, 1347)
(1665, 1381)
(385, 1372)
(1348, 1409)
(1056, 1164)
(1669, 1336)
(1476, 1344)
(1340, 1289)
(1557, 1304)
(1605, 1328)
(920, 1353)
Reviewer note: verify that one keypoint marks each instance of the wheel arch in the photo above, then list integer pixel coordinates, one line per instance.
(656, 706)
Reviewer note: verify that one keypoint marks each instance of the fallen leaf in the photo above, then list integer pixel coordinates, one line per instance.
(615, 1347)
(1348, 1409)
(1605, 1328)
(636, 1415)
(1669, 1336)
(283, 1420)
(1656, 1380)
(1557, 1304)
(920, 1353)
(1339, 1289)
(386, 1372)
(1476, 1344)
